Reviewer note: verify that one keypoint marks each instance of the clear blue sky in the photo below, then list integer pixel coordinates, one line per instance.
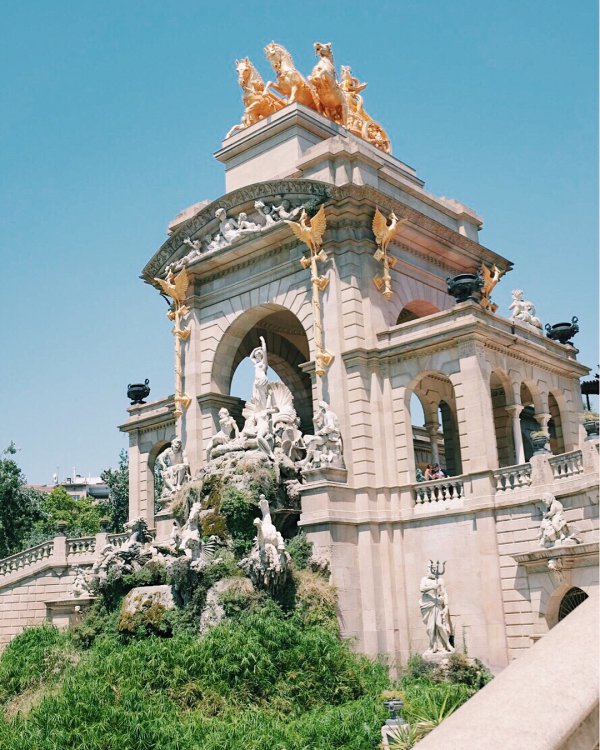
(110, 113)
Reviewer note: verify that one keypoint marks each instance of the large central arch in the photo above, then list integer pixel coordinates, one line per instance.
(287, 345)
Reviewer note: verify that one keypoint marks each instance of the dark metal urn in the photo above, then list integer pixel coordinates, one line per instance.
(137, 392)
(539, 440)
(562, 332)
(465, 286)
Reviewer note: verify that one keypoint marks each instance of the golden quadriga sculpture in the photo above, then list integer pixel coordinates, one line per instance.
(311, 232)
(176, 286)
(339, 100)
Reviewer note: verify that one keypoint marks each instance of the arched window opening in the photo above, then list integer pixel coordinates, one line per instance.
(287, 347)
(557, 442)
(418, 308)
(450, 453)
(502, 423)
(572, 599)
(435, 428)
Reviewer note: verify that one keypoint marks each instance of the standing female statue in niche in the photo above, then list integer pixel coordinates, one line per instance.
(260, 387)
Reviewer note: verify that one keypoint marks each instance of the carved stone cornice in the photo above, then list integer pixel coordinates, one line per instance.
(204, 221)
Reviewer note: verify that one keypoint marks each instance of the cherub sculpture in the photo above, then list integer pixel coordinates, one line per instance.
(523, 310)
(554, 527)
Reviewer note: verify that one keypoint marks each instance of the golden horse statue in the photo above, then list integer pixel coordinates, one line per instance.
(323, 77)
(290, 84)
(359, 122)
(258, 102)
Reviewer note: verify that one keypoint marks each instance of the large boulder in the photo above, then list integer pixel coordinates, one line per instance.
(146, 607)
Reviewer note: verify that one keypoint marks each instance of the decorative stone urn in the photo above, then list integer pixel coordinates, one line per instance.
(137, 392)
(465, 286)
(539, 440)
(591, 425)
(562, 332)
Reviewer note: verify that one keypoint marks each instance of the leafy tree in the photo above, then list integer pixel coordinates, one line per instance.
(118, 483)
(19, 504)
(82, 516)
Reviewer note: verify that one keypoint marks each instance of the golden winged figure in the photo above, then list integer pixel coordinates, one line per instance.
(175, 286)
(384, 232)
(310, 231)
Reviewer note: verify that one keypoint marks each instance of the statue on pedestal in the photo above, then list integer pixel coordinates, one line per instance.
(268, 563)
(554, 528)
(434, 611)
(523, 310)
(227, 433)
(325, 447)
(175, 468)
(260, 386)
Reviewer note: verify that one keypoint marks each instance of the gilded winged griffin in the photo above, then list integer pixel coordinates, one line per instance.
(175, 286)
(310, 232)
(384, 233)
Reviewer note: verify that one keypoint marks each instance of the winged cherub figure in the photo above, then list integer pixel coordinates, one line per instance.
(310, 232)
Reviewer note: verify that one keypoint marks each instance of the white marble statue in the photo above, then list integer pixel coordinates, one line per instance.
(80, 583)
(266, 533)
(266, 212)
(174, 468)
(199, 552)
(246, 226)
(228, 227)
(434, 611)
(325, 447)
(523, 310)
(228, 432)
(268, 564)
(260, 386)
(554, 528)
(284, 211)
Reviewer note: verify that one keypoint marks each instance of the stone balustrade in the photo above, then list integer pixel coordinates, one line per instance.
(117, 540)
(438, 490)
(83, 545)
(512, 477)
(566, 464)
(26, 558)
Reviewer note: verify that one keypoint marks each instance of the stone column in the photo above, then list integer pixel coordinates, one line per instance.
(542, 419)
(433, 429)
(515, 410)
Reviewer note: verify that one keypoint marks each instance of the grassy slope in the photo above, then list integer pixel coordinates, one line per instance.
(264, 681)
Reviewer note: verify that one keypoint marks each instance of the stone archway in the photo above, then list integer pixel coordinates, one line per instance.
(415, 309)
(287, 346)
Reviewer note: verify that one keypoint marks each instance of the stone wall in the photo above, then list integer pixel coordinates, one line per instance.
(36, 585)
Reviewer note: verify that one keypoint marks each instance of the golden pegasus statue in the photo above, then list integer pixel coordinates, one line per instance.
(258, 102)
(339, 100)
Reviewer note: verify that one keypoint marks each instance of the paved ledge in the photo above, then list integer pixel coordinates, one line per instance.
(545, 700)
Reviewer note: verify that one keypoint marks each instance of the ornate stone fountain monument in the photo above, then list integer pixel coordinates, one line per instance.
(352, 288)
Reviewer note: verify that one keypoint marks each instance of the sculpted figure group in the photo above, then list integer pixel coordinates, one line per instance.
(338, 99)
(231, 229)
(271, 426)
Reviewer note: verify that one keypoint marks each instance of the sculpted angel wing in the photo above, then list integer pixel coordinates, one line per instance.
(380, 227)
(318, 224)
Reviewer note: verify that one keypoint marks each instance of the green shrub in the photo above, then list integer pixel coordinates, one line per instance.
(37, 655)
(300, 550)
